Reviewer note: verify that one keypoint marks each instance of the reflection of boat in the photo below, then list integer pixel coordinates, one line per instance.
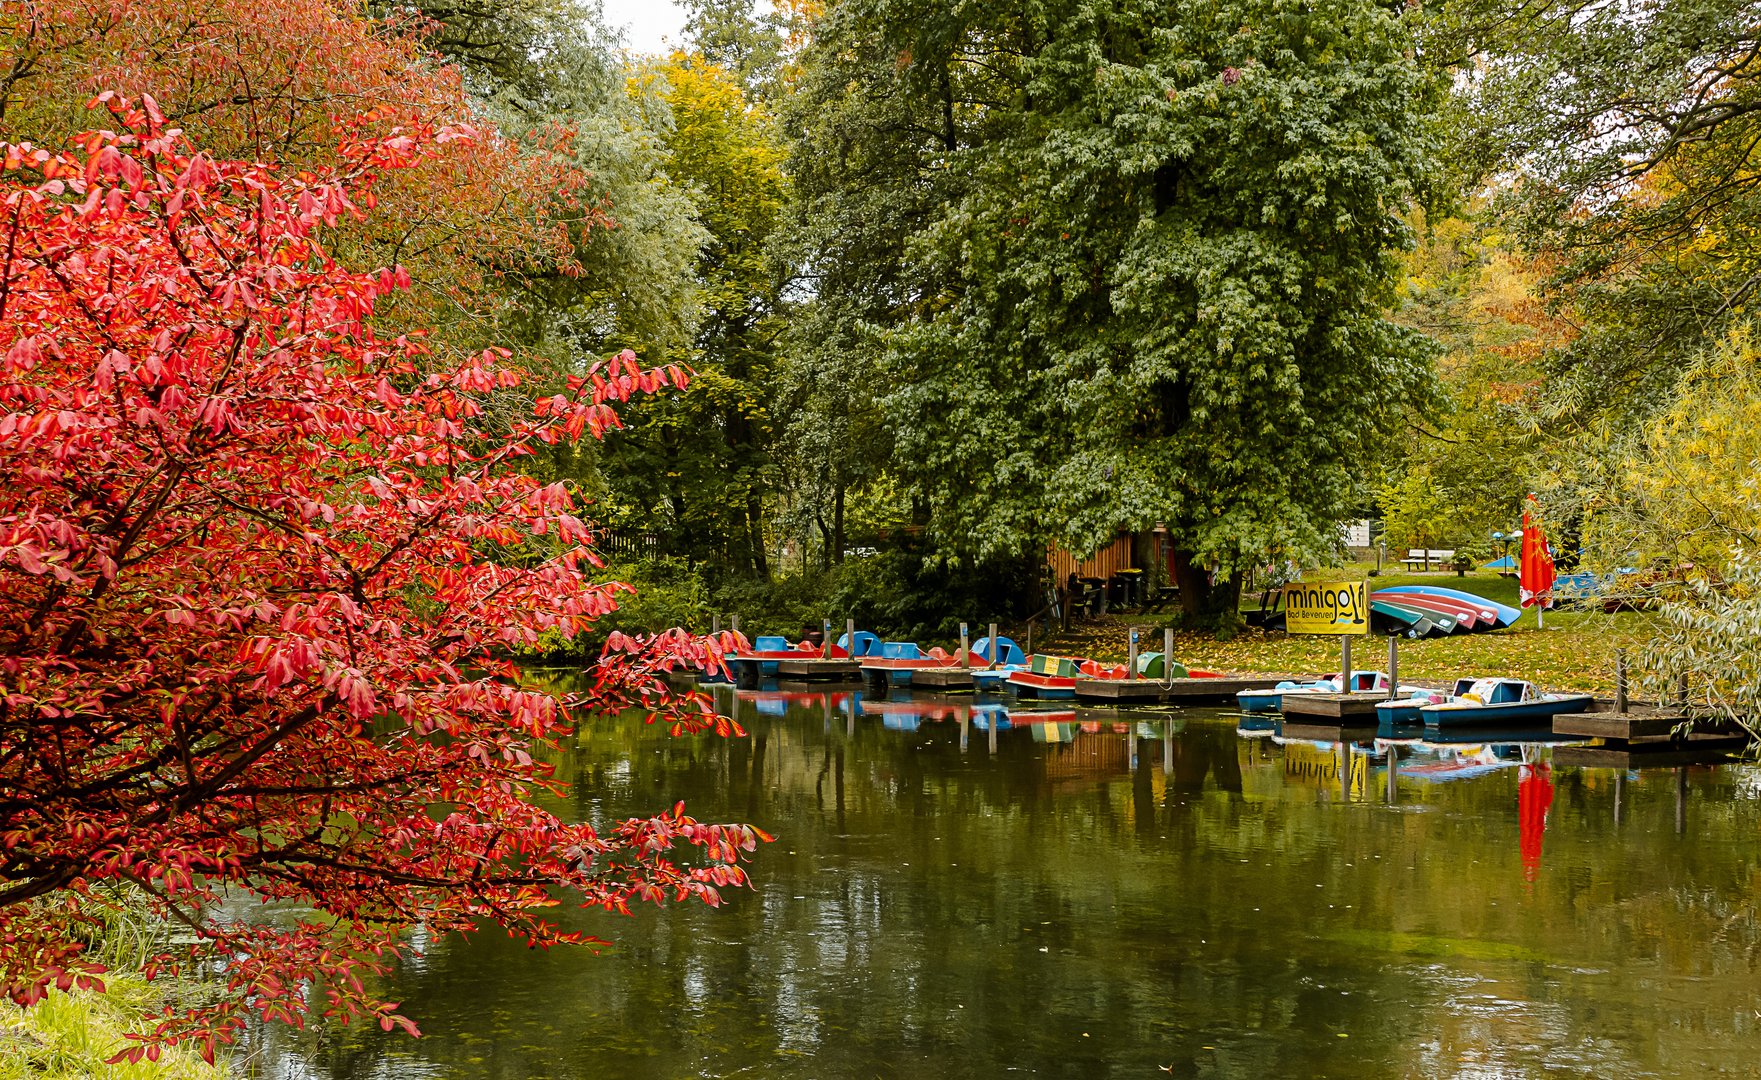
(906, 715)
(777, 702)
(1252, 701)
(1501, 701)
(1256, 727)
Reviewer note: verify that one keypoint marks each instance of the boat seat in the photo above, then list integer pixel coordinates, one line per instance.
(772, 643)
(900, 650)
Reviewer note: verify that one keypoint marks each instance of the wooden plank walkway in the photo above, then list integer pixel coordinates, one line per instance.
(1172, 691)
(815, 670)
(942, 679)
(1643, 737)
(1332, 706)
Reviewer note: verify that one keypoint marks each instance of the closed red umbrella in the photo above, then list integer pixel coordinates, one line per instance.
(1535, 578)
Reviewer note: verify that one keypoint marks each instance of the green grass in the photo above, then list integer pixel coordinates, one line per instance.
(68, 1036)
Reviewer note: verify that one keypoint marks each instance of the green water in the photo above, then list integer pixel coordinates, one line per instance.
(1134, 897)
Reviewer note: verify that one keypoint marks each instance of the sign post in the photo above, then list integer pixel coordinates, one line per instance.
(1330, 607)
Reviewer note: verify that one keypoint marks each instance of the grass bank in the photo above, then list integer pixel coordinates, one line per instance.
(68, 1036)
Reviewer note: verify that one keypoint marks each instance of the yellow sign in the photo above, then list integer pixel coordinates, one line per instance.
(1327, 607)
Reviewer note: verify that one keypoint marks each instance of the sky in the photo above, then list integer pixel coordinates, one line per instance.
(646, 22)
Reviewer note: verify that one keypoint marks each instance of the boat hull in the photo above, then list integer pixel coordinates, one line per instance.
(1512, 714)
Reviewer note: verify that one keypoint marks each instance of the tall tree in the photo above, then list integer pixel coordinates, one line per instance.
(702, 460)
(1623, 138)
(1130, 260)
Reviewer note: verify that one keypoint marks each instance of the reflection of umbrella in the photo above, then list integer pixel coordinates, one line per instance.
(1535, 580)
(1534, 794)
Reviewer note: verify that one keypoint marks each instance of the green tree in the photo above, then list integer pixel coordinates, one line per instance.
(700, 463)
(1128, 261)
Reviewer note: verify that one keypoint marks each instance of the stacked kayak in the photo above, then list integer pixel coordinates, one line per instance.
(1420, 611)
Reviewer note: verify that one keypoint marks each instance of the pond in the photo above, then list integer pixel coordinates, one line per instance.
(959, 890)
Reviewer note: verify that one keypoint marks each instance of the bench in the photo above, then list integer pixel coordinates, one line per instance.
(1422, 558)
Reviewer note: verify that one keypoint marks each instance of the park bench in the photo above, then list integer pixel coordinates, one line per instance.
(1422, 558)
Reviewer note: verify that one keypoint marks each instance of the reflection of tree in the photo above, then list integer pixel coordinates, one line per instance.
(912, 878)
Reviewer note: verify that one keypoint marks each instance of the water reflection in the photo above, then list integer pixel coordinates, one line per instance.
(965, 888)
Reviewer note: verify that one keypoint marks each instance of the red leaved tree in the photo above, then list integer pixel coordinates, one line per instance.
(256, 568)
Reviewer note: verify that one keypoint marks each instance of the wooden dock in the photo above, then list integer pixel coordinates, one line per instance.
(1171, 691)
(1332, 706)
(814, 670)
(942, 680)
(1643, 737)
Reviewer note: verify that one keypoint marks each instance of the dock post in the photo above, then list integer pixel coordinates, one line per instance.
(734, 623)
(1620, 682)
(715, 625)
(965, 652)
(1393, 666)
(1681, 689)
(1131, 656)
(826, 644)
(993, 641)
(1168, 655)
(1345, 663)
(1030, 637)
(850, 636)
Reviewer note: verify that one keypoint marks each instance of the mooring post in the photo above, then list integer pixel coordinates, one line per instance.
(1393, 666)
(850, 636)
(715, 625)
(1345, 663)
(1681, 689)
(993, 641)
(1030, 637)
(1167, 654)
(965, 656)
(1620, 702)
(734, 624)
(825, 639)
(1131, 655)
